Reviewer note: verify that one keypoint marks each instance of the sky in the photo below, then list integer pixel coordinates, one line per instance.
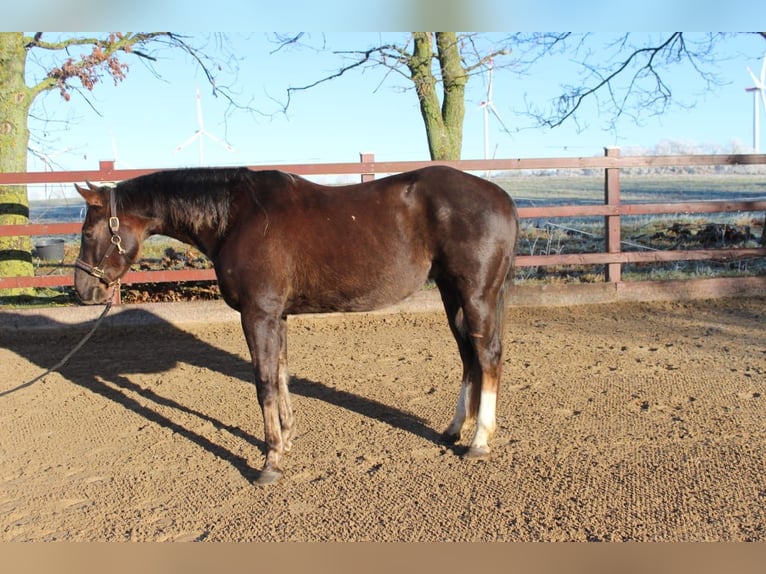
(141, 122)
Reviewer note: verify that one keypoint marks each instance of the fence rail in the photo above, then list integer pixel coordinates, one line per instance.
(612, 210)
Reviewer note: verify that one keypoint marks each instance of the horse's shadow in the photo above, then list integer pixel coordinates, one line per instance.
(100, 366)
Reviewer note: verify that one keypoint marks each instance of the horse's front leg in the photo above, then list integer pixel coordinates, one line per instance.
(263, 333)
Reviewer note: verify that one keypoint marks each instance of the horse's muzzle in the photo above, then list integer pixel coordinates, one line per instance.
(93, 295)
(91, 292)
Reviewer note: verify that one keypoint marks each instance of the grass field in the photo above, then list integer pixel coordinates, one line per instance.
(662, 232)
(558, 190)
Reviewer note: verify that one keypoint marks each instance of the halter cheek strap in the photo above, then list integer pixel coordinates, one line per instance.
(115, 243)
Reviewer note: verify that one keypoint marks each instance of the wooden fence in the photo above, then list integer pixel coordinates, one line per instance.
(612, 210)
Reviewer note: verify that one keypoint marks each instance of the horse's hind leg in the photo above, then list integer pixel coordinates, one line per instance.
(471, 371)
(484, 321)
(286, 417)
(476, 312)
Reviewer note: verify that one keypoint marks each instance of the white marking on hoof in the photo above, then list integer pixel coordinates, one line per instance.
(485, 421)
(456, 426)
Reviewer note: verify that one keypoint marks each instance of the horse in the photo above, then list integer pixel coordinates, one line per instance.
(282, 245)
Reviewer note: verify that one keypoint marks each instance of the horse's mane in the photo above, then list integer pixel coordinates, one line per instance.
(193, 198)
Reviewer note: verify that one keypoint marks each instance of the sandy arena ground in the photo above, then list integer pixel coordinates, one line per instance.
(630, 421)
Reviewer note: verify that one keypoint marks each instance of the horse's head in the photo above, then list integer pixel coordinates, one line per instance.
(109, 245)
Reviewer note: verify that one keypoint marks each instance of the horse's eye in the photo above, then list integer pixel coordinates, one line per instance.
(87, 234)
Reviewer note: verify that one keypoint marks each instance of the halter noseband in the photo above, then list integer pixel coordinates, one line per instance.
(97, 271)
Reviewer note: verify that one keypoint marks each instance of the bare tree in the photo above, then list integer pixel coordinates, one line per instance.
(438, 65)
(105, 57)
(626, 75)
(623, 76)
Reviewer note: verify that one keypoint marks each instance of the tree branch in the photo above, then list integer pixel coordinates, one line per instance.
(570, 103)
(363, 57)
(106, 59)
(645, 71)
(395, 58)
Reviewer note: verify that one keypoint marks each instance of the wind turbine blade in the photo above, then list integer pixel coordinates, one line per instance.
(115, 155)
(218, 140)
(499, 119)
(59, 152)
(188, 141)
(755, 79)
(763, 72)
(486, 130)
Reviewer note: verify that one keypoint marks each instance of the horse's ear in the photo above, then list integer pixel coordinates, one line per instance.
(92, 195)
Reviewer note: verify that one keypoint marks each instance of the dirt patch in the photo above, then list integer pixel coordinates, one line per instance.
(616, 422)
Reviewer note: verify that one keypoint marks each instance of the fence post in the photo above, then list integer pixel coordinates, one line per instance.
(612, 222)
(367, 157)
(117, 295)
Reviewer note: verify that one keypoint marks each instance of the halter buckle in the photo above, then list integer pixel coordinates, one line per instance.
(117, 242)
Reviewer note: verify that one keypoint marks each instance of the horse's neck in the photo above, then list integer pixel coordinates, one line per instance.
(206, 238)
(186, 214)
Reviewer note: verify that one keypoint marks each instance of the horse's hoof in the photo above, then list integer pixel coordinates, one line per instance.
(268, 476)
(449, 438)
(477, 452)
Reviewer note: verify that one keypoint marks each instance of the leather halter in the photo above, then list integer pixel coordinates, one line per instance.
(115, 243)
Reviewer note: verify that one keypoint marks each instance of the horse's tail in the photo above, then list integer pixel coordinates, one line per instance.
(510, 274)
(501, 308)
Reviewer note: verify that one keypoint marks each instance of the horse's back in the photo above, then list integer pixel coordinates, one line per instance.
(363, 246)
(415, 212)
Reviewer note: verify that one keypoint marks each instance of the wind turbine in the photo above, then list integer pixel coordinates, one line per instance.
(201, 131)
(489, 107)
(48, 158)
(50, 164)
(119, 164)
(759, 93)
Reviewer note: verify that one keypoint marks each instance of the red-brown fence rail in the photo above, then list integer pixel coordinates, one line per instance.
(612, 209)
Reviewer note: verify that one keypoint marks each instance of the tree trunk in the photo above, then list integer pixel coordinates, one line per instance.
(15, 102)
(443, 122)
(454, 78)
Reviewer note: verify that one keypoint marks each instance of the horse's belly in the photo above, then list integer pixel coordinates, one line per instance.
(364, 292)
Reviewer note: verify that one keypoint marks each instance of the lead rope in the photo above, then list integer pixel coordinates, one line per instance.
(71, 353)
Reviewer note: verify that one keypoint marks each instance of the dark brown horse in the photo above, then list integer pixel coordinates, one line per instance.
(282, 245)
